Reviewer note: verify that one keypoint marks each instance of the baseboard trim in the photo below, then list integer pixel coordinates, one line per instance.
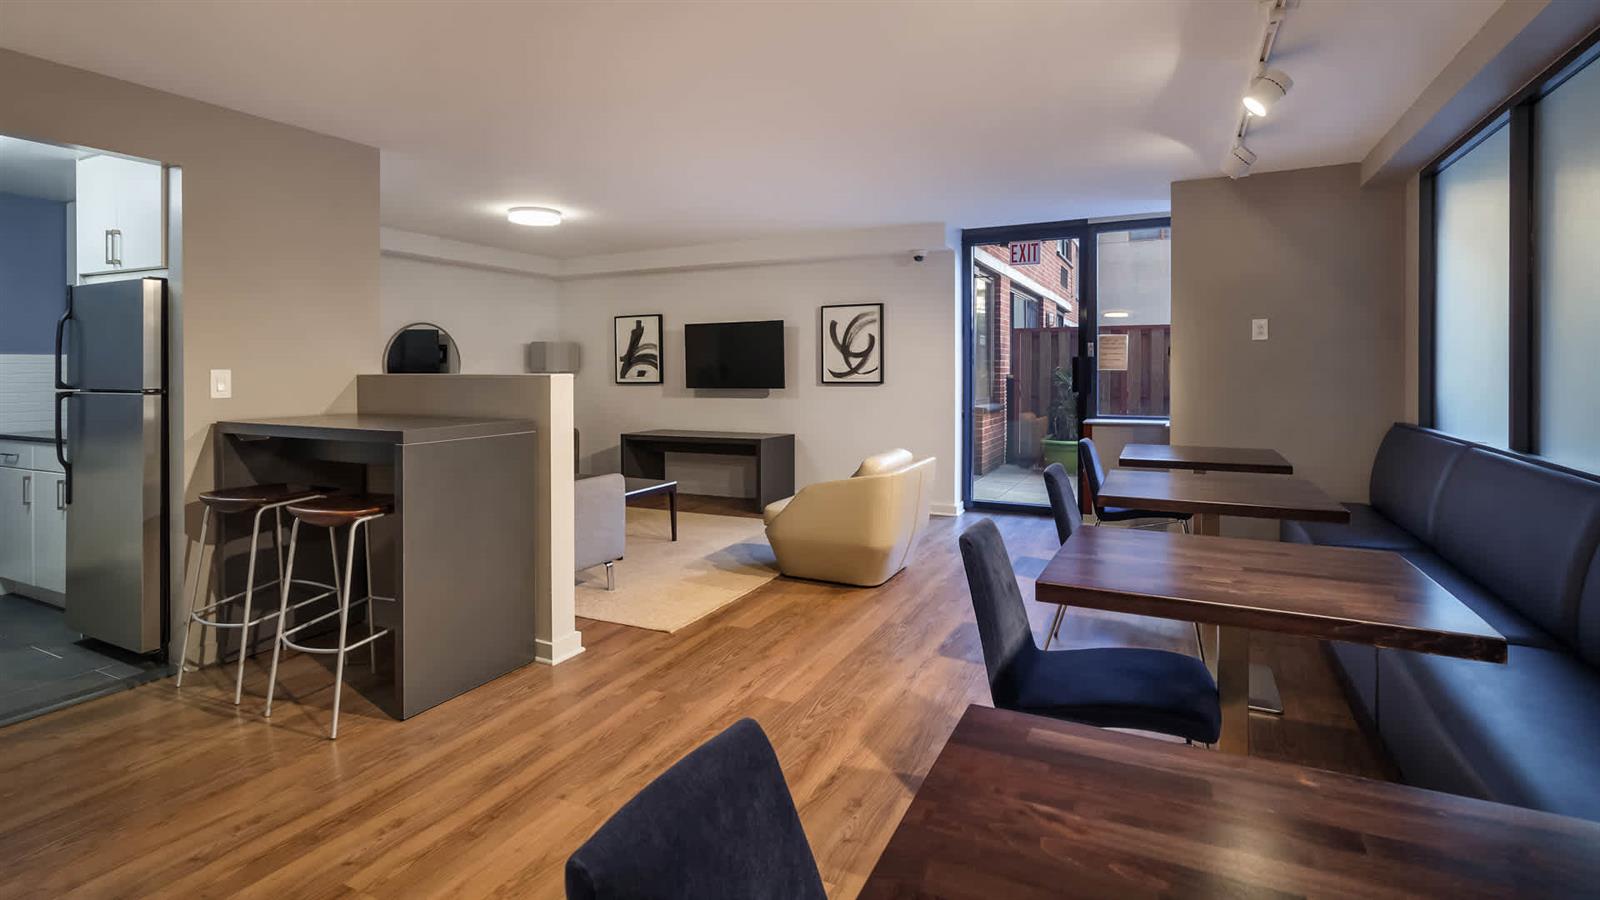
(946, 509)
(554, 653)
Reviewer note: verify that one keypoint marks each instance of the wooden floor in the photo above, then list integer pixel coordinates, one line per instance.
(158, 791)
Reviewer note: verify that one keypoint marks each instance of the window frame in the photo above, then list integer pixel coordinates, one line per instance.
(1516, 113)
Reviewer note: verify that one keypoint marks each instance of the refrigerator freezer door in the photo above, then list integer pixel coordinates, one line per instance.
(114, 525)
(112, 338)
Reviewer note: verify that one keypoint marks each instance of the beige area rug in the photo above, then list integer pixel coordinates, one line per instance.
(664, 585)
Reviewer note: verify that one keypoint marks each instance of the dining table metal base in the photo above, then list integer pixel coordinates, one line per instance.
(1233, 689)
(1264, 694)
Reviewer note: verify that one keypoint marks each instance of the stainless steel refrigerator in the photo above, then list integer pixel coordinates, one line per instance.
(111, 441)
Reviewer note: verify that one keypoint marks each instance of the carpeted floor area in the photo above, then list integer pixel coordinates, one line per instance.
(664, 585)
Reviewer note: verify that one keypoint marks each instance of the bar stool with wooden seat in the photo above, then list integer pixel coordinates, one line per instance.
(333, 512)
(260, 499)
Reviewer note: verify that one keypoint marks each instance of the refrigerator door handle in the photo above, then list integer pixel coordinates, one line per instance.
(61, 334)
(27, 490)
(61, 452)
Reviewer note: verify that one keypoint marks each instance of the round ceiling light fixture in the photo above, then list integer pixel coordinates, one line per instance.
(1238, 160)
(536, 216)
(1267, 89)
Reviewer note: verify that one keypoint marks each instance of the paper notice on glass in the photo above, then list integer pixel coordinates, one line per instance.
(1113, 353)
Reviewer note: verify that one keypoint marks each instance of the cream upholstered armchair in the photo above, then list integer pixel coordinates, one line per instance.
(861, 530)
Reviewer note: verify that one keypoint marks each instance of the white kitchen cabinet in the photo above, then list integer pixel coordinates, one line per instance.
(16, 524)
(120, 216)
(49, 512)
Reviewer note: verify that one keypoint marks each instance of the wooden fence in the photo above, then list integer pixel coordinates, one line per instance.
(1141, 390)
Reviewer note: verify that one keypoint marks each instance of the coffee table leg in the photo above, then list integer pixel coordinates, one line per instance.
(672, 507)
(1233, 689)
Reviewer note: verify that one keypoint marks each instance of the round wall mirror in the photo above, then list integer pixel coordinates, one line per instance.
(421, 347)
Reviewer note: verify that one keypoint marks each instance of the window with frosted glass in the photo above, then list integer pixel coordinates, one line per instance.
(1472, 218)
(1566, 203)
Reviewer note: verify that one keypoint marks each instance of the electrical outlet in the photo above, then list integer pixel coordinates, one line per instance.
(1258, 329)
(221, 384)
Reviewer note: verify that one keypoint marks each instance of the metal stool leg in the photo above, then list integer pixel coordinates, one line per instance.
(283, 614)
(372, 627)
(344, 621)
(245, 630)
(194, 596)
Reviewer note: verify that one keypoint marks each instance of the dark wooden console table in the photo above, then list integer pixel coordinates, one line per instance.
(644, 455)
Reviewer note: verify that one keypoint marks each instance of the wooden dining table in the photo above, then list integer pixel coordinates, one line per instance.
(1022, 807)
(1260, 460)
(1207, 497)
(1239, 585)
(1211, 495)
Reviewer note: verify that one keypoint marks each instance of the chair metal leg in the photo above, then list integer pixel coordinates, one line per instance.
(194, 595)
(344, 621)
(283, 614)
(611, 576)
(1055, 626)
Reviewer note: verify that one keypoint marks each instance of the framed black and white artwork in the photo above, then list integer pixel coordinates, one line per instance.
(850, 340)
(638, 349)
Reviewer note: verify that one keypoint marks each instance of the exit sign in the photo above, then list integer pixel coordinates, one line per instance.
(1025, 253)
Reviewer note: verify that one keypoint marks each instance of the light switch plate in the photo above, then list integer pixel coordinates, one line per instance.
(1258, 329)
(221, 384)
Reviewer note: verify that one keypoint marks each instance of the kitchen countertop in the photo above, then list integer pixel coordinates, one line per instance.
(370, 428)
(32, 437)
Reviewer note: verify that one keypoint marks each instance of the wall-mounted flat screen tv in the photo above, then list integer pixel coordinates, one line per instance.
(733, 355)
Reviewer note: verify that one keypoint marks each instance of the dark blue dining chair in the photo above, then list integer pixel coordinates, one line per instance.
(719, 825)
(1063, 502)
(1094, 474)
(1064, 509)
(1110, 687)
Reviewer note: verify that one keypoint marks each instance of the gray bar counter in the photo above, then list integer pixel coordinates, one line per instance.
(458, 555)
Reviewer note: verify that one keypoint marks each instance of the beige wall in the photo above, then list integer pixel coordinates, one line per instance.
(835, 426)
(280, 245)
(1323, 260)
(279, 253)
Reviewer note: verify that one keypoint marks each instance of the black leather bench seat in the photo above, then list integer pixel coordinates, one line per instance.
(1526, 732)
(1516, 540)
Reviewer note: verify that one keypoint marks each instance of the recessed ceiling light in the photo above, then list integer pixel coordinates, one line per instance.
(1268, 88)
(1115, 314)
(539, 216)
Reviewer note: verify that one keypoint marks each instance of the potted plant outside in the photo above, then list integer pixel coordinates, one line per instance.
(1061, 445)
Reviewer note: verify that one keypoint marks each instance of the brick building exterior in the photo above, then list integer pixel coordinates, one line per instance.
(1043, 295)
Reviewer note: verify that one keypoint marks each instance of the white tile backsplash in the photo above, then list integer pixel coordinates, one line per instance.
(27, 391)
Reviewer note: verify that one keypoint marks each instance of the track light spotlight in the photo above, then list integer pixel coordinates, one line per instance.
(1268, 88)
(1237, 162)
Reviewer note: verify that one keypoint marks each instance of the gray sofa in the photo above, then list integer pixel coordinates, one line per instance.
(1516, 539)
(600, 510)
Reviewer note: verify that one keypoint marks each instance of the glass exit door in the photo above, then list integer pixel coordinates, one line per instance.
(1068, 322)
(1026, 341)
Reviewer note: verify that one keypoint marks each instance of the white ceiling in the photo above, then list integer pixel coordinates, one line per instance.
(666, 124)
